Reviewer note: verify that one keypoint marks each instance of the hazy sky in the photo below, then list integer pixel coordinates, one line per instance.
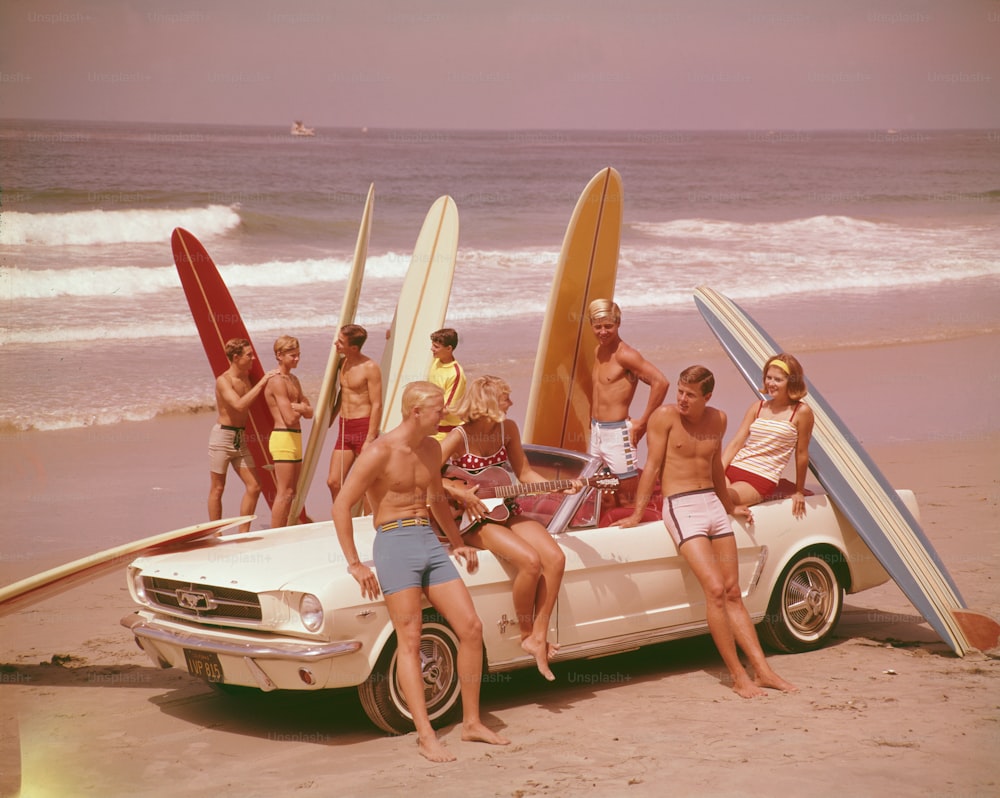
(595, 64)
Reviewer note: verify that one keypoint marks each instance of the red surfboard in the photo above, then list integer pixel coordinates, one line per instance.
(218, 320)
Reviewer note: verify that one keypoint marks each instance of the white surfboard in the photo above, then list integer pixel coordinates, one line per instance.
(329, 392)
(58, 580)
(423, 303)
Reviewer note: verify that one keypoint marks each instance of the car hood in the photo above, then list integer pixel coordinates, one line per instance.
(304, 558)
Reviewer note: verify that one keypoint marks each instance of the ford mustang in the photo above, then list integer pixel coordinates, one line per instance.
(277, 610)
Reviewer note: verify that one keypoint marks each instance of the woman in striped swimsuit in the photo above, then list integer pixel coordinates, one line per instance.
(772, 431)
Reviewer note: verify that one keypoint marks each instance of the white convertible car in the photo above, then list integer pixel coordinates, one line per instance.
(277, 610)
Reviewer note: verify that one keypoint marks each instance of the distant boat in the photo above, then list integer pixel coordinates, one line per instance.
(298, 129)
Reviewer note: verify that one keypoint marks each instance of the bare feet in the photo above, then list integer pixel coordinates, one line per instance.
(744, 687)
(540, 650)
(478, 733)
(432, 748)
(775, 682)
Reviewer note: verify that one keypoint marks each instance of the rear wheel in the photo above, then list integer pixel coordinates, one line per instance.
(382, 698)
(805, 605)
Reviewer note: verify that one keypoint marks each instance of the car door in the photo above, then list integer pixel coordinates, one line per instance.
(633, 582)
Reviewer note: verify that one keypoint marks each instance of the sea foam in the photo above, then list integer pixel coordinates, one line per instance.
(85, 228)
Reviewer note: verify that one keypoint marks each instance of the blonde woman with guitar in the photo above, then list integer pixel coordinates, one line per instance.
(486, 442)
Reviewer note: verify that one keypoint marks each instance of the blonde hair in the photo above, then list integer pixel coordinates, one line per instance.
(285, 343)
(796, 376)
(604, 307)
(416, 394)
(482, 399)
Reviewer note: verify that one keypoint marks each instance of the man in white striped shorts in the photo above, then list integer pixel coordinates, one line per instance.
(618, 370)
(685, 441)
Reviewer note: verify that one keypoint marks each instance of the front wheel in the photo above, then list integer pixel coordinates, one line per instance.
(805, 605)
(381, 696)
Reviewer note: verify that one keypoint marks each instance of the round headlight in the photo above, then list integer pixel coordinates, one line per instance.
(138, 586)
(311, 612)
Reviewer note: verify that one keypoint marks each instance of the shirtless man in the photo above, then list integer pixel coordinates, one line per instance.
(360, 403)
(288, 405)
(227, 442)
(402, 471)
(618, 369)
(686, 440)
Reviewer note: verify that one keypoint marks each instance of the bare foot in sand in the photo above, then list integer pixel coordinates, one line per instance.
(775, 682)
(540, 650)
(432, 748)
(478, 733)
(745, 687)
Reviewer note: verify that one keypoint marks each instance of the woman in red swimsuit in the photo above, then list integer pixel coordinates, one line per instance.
(772, 432)
(488, 438)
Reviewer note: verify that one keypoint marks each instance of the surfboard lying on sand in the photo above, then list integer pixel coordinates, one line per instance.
(860, 491)
(423, 303)
(558, 409)
(329, 392)
(58, 580)
(218, 319)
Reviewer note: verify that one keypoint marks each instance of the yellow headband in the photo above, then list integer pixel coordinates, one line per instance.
(781, 365)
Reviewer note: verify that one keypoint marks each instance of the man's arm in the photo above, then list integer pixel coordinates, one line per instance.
(440, 509)
(233, 400)
(303, 407)
(359, 479)
(656, 448)
(646, 372)
(374, 383)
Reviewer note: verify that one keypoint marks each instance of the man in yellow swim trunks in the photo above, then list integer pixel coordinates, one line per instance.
(288, 405)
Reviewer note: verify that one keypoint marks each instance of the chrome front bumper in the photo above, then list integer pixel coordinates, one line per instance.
(159, 641)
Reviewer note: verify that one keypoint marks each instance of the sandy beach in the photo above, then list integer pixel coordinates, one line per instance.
(885, 709)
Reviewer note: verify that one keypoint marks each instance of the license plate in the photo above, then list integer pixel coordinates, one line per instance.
(204, 664)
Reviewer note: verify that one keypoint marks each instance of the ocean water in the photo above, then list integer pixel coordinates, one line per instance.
(850, 238)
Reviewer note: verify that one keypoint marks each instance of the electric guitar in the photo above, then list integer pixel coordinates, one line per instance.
(494, 484)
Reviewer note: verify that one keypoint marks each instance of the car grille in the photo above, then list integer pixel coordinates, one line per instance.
(202, 601)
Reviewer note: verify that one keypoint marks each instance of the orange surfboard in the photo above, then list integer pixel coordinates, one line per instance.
(558, 409)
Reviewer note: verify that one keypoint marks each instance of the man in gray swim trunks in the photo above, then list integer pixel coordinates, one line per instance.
(227, 442)
(401, 473)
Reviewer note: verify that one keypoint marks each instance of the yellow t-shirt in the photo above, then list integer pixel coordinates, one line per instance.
(450, 377)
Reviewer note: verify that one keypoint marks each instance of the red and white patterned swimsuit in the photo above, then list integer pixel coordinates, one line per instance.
(475, 462)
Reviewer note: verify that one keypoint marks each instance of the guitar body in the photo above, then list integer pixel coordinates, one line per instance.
(487, 481)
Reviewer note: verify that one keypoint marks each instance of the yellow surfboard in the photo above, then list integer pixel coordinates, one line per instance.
(60, 579)
(329, 393)
(423, 303)
(558, 409)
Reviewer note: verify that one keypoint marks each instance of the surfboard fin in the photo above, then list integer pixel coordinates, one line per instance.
(981, 630)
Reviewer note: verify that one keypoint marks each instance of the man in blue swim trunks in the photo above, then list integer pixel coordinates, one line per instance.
(686, 440)
(401, 472)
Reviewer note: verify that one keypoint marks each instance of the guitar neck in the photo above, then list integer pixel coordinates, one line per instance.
(525, 488)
